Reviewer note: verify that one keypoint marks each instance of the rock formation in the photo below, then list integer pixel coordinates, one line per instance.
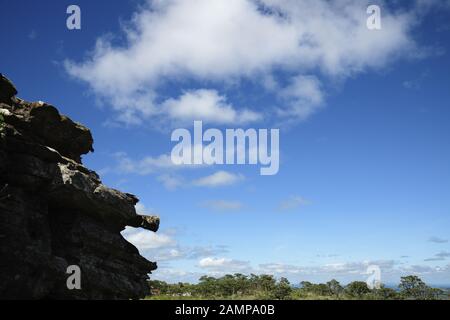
(54, 212)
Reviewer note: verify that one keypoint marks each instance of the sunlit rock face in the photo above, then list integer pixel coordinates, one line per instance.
(54, 212)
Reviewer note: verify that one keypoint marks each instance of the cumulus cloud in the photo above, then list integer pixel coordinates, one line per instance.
(144, 239)
(206, 105)
(391, 270)
(163, 246)
(303, 95)
(218, 179)
(331, 269)
(224, 265)
(225, 41)
(175, 275)
(223, 205)
(143, 210)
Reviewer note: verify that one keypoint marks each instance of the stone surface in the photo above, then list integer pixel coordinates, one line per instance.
(54, 212)
(7, 89)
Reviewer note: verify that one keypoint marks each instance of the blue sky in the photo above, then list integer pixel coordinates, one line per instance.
(363, 118)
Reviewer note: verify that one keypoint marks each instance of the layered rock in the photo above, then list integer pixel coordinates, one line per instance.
(54, 212)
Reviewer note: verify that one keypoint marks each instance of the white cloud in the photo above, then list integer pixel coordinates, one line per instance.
(218, 179)
(171, 182)
(163, 246)
(143, 210)
(206, 251)
(144, 239)
(391, 271)
(327, 271)
(349, 271)
(146, 165)
(223, 205)
(206, 105)
(426, 270)
(223, 264)
(173, 275)
(151, 165)
(293, 202)
(219, 41)
(304, 96)
(164, 166)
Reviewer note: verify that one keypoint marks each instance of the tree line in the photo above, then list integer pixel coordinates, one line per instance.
(239, 286)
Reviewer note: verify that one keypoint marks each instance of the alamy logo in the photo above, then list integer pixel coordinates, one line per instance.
(374, 20)
(239, 146)
(374, 279)
(73, 21)
(74, 280)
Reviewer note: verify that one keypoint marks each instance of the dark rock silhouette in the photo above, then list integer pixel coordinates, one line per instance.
(54, 212)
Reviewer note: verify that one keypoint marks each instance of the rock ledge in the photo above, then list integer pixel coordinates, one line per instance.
(54, 212)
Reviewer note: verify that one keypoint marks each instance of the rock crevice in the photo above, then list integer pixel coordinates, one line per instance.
(55, 212)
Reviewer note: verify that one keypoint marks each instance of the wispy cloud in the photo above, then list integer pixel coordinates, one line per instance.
(347, 271)
(223, 205)
(303, 95)
(164, 168)
(443, 255)
(32, 35)
(218, 179)
(163, 246)
(145, 166)
(292, 203)
(437, 240)
(171, 182)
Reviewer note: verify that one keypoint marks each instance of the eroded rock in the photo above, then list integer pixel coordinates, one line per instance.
(54, 212)
(7, 89)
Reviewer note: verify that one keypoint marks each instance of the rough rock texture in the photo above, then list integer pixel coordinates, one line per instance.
(54, 212)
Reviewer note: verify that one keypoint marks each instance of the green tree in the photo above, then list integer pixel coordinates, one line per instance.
(227, 285)
(306, 285)
(384, 293)
(357, 289)
(242, 283)
(282, 290)
(254, 282)
(267, 283)
(335, 287)
(207, 286)
(321, 289)
(158, 286)
(412, 287)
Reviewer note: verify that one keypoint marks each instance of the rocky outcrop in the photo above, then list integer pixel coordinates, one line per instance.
(54, 212)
